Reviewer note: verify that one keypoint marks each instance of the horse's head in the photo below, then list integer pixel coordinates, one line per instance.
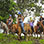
(1, 24)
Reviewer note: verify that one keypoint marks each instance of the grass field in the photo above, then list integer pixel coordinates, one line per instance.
(10, 39)
(42, 41)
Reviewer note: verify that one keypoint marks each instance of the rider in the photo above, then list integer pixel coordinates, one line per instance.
(31, 24)
(20, 21)
(10, 20)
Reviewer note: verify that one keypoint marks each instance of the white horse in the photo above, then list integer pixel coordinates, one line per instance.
(5, 27)
(36, 21)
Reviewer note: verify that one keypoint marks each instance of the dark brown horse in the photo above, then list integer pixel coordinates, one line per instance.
(42, 26)
(38, 29)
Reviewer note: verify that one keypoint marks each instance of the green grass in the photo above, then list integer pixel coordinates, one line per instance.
(20, 42)
(42, 41)
(10, 39)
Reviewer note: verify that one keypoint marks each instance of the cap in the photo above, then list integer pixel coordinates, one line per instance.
(19, 12)
(10, 15)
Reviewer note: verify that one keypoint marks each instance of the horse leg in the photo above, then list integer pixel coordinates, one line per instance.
(40, 36)
(40, 32)
(30, 34)
(13, 31)
(26, 31)
(43, 29)
(4, 31)
(34, 31)
(7, 31)
(37, 34)
(30, 31)
(19, 36)
(27, 35)
(19, 32)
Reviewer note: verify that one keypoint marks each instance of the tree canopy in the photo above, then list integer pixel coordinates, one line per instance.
(7, 7)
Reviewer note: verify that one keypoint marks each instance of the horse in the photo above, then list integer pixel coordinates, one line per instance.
(5, 27)
(38, 29)
(42, 26)
(16, 27)
(37, 26)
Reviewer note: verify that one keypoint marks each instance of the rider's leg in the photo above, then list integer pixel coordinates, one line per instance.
(22, 25)
(32, 28)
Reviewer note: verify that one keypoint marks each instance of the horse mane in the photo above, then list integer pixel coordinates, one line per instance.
(2, 22)
(4, 25)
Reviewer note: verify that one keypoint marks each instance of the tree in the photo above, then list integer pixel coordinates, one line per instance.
(24, 4)
(7, 7)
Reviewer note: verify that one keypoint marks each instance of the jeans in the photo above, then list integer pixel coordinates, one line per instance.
(32, 28)
(22, 26)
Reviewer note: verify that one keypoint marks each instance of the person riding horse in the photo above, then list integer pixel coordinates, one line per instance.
(31, 24)
(20, 21)
(10, 21)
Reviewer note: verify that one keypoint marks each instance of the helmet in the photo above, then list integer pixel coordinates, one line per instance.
(10, 15)
(19, 12)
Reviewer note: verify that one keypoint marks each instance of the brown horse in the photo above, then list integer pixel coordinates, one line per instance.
(42, 26)
(16, 27)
